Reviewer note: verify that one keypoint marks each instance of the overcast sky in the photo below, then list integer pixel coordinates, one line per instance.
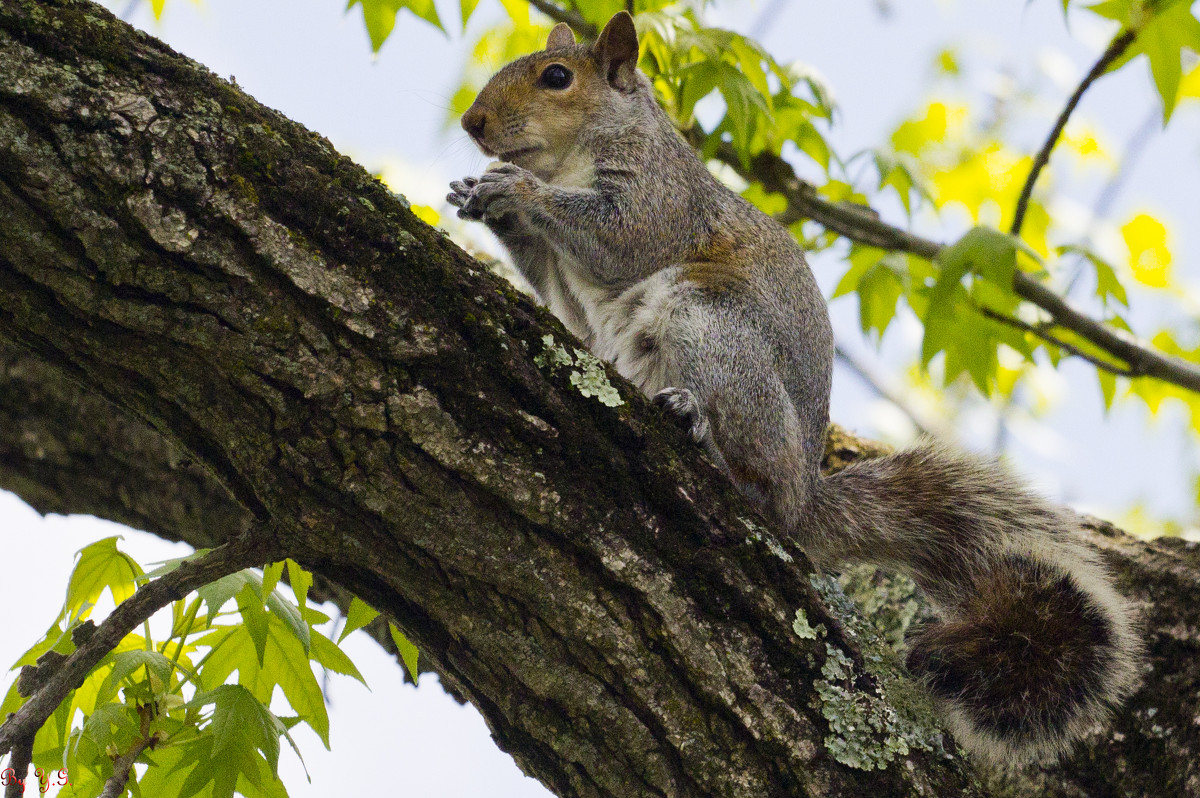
(311, 60)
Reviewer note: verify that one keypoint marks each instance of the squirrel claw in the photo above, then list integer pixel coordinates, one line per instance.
(461, 196)
(683, 406)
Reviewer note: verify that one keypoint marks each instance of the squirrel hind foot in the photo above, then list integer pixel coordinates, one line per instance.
(684, 408)
(1028, 665)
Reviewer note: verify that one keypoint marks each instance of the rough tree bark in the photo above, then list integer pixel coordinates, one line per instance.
(212, 317)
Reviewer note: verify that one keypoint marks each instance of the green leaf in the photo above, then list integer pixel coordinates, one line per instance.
(861, 259)
(301, 581)
(240, 720)
(467, 7)
(1108, 387)
(380, 16)
(1107, 283)
(254, 619)
(879, 292)
(217, 594)
(101, 566)
(359, 615)
(125, 663)
(326, 652)
(167, 566)
(237, 750)
(292, 618)
(285, 665)
(408, 652)
(983, 251)
(1164, 29)
(110, 723)
(270, 577)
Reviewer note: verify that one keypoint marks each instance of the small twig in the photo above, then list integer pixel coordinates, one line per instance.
(1046, 335)
(22, 756)
(1114, 51)
(1134, 149)
(573, 18)
(766, 18)
(115, 786)
(148, 599)
(880, 385)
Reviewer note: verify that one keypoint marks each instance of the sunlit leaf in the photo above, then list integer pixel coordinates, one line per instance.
(101, 566)
(379, 16)
(1107, 283)
(1149, 257)
(270, 577)
(467, 8)
(326, 652)
(1164, 29)
(359, 615)
(408, 652)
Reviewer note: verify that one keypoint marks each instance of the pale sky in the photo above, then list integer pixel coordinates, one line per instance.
(312, 61)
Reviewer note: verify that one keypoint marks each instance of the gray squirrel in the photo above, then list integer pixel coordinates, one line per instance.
(709, 307)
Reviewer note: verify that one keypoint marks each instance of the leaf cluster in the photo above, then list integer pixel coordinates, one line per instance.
(172, 701)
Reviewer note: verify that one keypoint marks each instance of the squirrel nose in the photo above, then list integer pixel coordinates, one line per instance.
(474, 121)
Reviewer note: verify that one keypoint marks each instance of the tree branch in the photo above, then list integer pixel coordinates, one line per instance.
(114, 787)
(1115, 49)
(67, 674)
(881, 386)
(570, 16)
(1041, 332)
(576, 570)
(22, 756)
(865, 227)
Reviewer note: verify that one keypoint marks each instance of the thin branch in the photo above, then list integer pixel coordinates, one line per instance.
(115, 786)
(1046, 335)
(1115, 49)
(766, 18)
(573, 18)
(864, 226)
(22, 756)
(885, 390)
(149, 598)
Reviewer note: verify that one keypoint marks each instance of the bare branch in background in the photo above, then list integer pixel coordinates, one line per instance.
(1045, 334)
(885, 387)
(1115, 49)
(573, 18)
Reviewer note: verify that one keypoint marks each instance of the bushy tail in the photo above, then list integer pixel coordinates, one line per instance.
(1033, 647)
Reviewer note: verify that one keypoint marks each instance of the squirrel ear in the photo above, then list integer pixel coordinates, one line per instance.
(617, 51)
(561, 36)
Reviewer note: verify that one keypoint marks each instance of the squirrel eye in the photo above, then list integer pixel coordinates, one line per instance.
(556, 76)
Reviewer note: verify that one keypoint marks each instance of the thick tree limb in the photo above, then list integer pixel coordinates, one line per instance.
(355, 381)
(575, 570)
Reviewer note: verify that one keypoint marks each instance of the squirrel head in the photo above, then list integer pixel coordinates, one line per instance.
(533, 111)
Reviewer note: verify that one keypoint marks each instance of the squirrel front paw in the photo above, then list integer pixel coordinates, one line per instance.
(460, 195)
(683, 406)
(500, 190)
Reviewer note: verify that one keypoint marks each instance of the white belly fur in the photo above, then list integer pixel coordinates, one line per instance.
(639, 329)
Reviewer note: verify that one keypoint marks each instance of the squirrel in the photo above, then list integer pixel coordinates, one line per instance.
(709, 307)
